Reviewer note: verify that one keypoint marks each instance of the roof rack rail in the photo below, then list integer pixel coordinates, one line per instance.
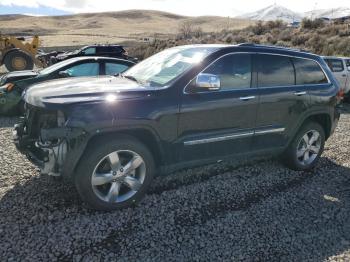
(272, 46)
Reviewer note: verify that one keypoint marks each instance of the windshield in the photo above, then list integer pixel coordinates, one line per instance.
(162, 68)
(55, 67)
(77, 51)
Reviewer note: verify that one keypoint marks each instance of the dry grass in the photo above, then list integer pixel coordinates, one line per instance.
(111, 27)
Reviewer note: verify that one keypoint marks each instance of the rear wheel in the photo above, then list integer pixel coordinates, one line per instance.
(306, 148)
(18, 60)
(114, 174)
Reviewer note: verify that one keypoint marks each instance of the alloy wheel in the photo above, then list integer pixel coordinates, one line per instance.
(118, 176)
(309, 147)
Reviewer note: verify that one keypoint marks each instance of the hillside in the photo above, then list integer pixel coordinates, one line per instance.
(329, 13)
(274, 12)
(110, 27)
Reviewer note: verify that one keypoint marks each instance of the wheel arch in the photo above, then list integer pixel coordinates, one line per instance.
(144, 135)
(322, 118)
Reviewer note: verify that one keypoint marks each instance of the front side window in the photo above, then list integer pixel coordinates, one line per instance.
(114, 68)
(90, 51)
(275, 70)
(336, 65)
(55, 67)
(88, 69)
(234, 71)
(308, 72)
(162, 68)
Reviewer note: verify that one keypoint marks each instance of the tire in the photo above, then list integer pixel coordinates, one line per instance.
(97, 160)
(294, 158)
(18, 60)
(20, 108)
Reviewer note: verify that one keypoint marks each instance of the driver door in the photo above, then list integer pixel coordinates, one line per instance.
(215, 123)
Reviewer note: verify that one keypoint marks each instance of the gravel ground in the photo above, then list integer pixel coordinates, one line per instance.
(259, 211)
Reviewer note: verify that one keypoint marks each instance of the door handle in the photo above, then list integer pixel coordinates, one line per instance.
(246, 98)
(300, 93)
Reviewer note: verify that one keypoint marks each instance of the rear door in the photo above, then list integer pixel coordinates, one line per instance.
(284, 84)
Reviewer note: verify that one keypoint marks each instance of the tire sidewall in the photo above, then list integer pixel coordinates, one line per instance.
(291, 156)
(93, 155)
(17, 53)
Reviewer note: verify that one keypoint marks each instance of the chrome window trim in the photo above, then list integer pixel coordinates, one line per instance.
(257, 53)
(233, 136)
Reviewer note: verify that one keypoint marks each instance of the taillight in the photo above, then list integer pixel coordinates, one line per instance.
(340, 94)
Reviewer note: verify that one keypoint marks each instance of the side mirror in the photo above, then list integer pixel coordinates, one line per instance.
(348, 68)
(209, 82)
(64, 74)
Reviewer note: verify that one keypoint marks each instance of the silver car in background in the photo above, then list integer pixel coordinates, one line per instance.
(340, 66)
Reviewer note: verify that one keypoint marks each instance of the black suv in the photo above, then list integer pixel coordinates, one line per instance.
(116, 51)
(185, 106)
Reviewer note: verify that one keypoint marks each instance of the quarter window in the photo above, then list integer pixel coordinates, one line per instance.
(234, 71)
(308, 72)
(347, 61)
(275, 70)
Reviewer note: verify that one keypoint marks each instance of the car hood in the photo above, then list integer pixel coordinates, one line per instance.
(19, 75)
(82, 90)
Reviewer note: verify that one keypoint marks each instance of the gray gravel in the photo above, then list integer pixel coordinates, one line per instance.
(257, 211)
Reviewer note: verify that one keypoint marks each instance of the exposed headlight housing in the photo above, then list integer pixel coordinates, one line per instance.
(61, 119)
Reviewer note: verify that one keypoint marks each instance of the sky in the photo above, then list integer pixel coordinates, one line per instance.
(183, 7)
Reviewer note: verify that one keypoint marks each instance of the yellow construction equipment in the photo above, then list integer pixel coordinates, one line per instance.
(17, 54)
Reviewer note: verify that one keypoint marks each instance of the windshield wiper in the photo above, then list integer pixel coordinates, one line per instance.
(131, 78)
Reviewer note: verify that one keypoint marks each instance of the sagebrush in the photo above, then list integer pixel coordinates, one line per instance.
(315, 36)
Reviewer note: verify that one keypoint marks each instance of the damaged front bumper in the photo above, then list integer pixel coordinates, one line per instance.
(55, 152)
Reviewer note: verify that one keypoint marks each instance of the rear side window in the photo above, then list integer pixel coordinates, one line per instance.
(347, 61)
(116, 49)
(336, 65)
(103, 49)
(308, 72)
(109, 49)
(113, 68)
(234, 71)
(274, 70)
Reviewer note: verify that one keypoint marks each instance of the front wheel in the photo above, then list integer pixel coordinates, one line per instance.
(18, 60)
(114, 174)
(306, 148)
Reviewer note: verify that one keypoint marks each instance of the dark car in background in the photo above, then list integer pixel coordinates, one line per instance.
(116, 51)
(183, 107)
(14, 83)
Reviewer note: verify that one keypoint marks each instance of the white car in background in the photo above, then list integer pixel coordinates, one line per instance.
(340, 66)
